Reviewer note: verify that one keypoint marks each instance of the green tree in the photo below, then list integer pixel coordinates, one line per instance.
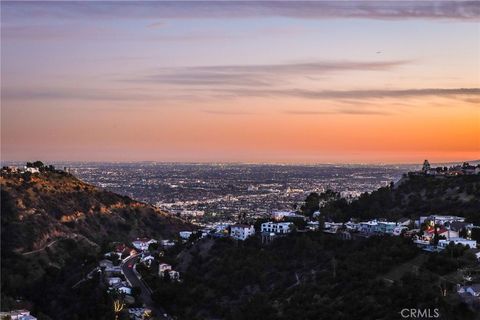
(312, 204)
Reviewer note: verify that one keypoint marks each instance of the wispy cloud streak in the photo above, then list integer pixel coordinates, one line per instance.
(451, 10)
(359, 94)
(259, 75)
(358, 111)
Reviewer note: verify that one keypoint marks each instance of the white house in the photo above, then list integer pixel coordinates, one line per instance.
(139, 313)
(185, 234)
(465, 242)
(398, 230)
(32, 170)
(313, 225)
(241, 231)
(279, 215)
(440, 220)
(404, 222)
(142, 244)
(113, 269)
(174, 275)
(147, 260)
(17, 315)
(350, 225)
(473, 290)
(368, 226)
(105, 263)
(278, 228)
(332, 227)
(113, 280)
(167, 243)
(122, 287)
(163, 267)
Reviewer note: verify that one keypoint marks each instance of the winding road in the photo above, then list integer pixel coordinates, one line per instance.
(133, 278)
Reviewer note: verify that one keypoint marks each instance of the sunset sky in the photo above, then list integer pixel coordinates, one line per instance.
(316, 82)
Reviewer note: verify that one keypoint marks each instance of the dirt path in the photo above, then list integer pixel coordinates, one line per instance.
(48, 245)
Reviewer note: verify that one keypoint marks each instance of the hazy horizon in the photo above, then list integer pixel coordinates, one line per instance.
(220, 163)
(258, 82)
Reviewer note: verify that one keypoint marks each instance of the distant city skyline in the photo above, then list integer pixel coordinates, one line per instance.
(259, 82)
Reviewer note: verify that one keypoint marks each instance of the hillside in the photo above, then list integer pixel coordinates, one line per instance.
(54, 230)
(39, 208)
(412, 196)
(308, 276)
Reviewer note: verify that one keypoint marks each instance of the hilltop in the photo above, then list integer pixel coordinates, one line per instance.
(41, 207)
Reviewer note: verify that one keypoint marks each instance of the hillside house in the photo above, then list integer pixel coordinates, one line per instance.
(147, 260)
(139, 313)
(404, 222)
(241, 231)
(473, 290)
(185, 235)
(332, 227)
(385, 227)
(277, 228)
(465, 242)
(122, 287)
(17, 315)
(368, 226)
(280, 215)
(174, 275)
(142, 244)
(113, 280)
(162, 268)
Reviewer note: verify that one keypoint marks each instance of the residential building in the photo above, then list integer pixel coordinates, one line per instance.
(113, 280)
(277, 228)
(241, 231)
(167, 243)
(105, 263)
(142, 244)
(353, 226)
(139, 313)
(174, 275)
(122, 287)
(398, 230)
(17, 315)
(440, 219)
(113, 269)
(147, 260)
(404, 222)
(332, 227)
(32, 170)
(473, 290)
(185, 235)
(313, 225)
(456, 225)
(448, 234)
(163, 267)
(465, 242)
(280, 215)
(385, 227)
(368, 226)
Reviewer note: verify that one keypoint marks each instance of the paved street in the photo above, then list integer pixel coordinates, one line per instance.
(145, 296)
